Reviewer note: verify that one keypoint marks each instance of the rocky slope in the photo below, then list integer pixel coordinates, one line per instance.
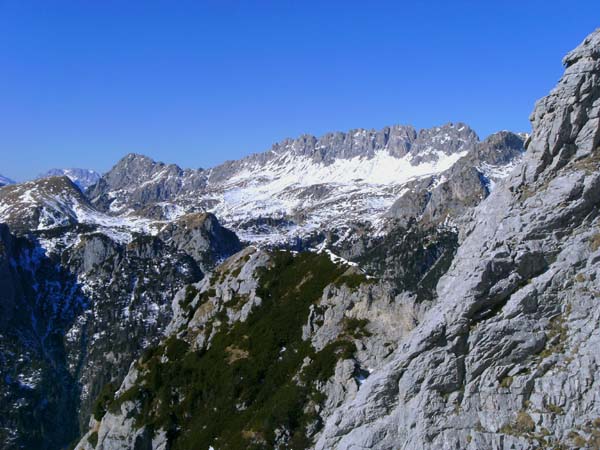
(308, 187)
(444, 198)
(82, 178)
(509, 356)
(282, 350)
(257, 355)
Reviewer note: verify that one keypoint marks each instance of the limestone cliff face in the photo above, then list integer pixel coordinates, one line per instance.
(508, 358)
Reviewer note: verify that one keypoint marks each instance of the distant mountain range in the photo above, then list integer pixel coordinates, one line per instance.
(83, 178)
(4, 181)
(312, 186)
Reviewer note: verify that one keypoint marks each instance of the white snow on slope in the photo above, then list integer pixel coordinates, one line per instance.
(83, 178)
(54, 205)
(352, 190)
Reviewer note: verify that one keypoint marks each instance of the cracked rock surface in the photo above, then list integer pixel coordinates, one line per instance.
(508, 357)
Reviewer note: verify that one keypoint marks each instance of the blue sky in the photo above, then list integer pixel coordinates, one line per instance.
(82, 83)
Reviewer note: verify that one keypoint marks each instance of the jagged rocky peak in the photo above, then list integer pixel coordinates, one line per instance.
(448, 139)
(501, 148)
(135, 169)
(360, 142)
(137, 182)
(396, 140)
(83, 178)
(508, 358)
(40, 204)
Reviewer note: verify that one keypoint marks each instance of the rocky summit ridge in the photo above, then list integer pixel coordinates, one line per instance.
(307, 186)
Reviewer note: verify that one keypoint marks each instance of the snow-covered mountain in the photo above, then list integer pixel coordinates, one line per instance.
(301, 187)
(4, 181)
(83, 178)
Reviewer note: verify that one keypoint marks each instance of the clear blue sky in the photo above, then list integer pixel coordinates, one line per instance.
(197, 82)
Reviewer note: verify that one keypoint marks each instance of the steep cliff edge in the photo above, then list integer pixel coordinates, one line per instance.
(509, 356)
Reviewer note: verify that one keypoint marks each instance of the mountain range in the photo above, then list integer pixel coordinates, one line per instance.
(373, 289)
(83, 178)
(4, 181)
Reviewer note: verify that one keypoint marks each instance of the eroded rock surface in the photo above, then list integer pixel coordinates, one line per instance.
(508, 358)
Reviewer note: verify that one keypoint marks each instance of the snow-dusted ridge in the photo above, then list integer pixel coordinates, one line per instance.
(5, 181)
(55, 202)
(299, 187)
(356, 189)
(82, 178)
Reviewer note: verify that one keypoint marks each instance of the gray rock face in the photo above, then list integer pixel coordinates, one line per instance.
(508, 357)
(202, 237)
(447, 197)
(397, 140)
(448, 139)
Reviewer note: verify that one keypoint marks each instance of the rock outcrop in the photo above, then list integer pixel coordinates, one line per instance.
(201, 236)
(508, 358)
(444, 199)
